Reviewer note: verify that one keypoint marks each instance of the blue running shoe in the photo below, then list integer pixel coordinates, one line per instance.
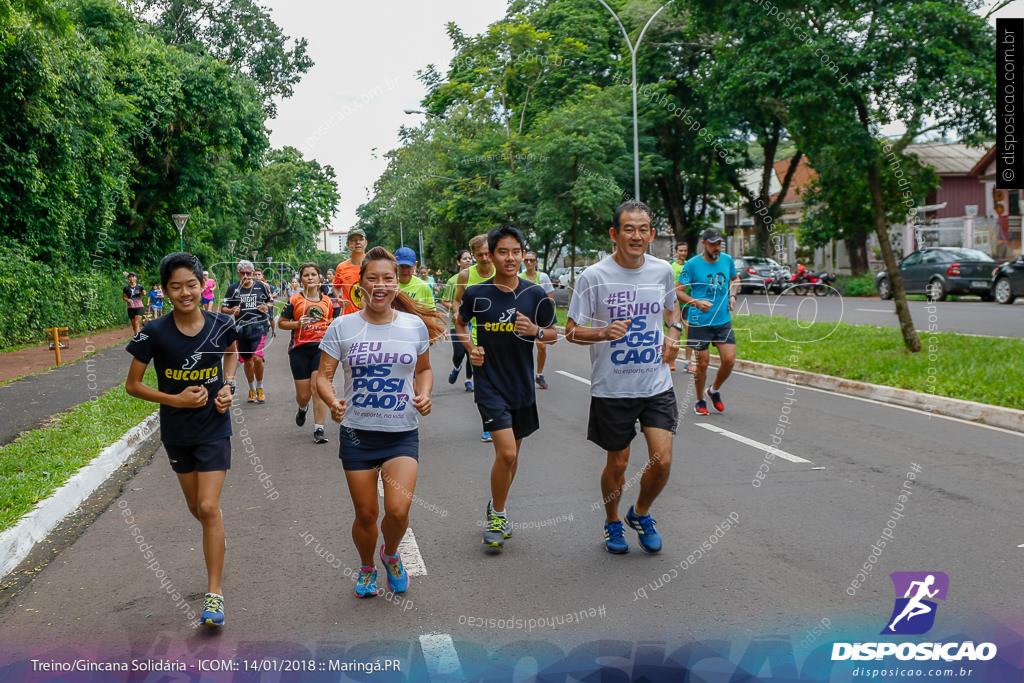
(454, 376)
(213, 610)
(614, 541)
(469, 385)
(366, 586)
(486, 437)
(398, 578)
(650, 540)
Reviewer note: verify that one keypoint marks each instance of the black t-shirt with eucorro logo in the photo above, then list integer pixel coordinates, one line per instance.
(134, 295)
(182, 361)
(248, 300)
(506, 377)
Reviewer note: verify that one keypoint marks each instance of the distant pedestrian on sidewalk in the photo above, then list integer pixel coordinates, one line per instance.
(156, 301)
(249, 301)
(384, 352)
(194, 392)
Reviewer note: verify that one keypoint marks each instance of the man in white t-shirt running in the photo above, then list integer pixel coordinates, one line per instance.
(618, 308)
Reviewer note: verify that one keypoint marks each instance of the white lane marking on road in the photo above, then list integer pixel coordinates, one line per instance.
(875, 310)
(750, 442)
(584, 380)
(380, 486)
(411, 557)
(804, 387)
(440, 655)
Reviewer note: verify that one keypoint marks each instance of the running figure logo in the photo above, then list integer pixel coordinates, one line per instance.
(507, 316)
(914, 613)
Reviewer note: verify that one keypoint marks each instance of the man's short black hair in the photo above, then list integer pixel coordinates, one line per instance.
(179, 259)
(630, 205)
(496, 234)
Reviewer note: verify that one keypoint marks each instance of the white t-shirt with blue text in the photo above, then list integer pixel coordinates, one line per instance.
(606, 292)
(379, 363)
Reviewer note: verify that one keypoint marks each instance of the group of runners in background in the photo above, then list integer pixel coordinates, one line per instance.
(372, 323)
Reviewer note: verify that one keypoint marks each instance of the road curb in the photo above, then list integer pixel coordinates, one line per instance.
(18, 541)
(995, 416)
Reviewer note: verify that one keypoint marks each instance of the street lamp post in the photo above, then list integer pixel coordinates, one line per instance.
(180, 220)
(231, 258)
(636, 126)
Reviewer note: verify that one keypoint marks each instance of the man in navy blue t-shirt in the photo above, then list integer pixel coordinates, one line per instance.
(194, 393)
(511, 316)
(713, 282)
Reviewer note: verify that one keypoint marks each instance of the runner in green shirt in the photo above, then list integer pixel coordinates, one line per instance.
(483, 270)
(464, 261)
(682, 252)
(531, 274)
(410, 284)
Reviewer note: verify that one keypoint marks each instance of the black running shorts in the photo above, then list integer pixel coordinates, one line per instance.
(305, 360)
(701, 338)
(522, 421)
(613, 420)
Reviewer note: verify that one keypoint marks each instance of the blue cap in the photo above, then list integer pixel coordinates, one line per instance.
(405, 256)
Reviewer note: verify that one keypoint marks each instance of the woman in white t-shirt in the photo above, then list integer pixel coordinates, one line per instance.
(384, 352)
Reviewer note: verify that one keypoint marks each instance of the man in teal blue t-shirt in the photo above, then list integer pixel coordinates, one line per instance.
(713, 282)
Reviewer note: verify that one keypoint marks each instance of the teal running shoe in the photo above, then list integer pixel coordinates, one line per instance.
(398, 578)
(366, 586)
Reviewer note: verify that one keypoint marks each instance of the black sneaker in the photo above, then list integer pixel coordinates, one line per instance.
(318, 435)
(300, 417)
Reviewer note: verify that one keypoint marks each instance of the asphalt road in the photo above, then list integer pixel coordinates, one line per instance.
(782, 569)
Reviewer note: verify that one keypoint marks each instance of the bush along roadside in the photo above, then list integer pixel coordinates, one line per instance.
(35, 296)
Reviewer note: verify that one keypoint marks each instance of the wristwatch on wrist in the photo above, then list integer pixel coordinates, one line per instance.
(677, 326)
(230, 383)
(540, 334)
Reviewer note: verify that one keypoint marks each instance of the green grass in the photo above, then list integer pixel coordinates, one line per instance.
(982, 369)
(979, 369)
(41, 460)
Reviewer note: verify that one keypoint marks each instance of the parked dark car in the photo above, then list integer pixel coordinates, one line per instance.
(758, 273)
(938, 272)
(1008, 281)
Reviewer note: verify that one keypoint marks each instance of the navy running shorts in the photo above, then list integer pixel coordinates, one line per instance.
(202, 457)
(366, 449)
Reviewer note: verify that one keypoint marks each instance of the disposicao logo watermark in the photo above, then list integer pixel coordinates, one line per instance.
(913, 614)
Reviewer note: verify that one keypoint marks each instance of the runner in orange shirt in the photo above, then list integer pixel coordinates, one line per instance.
(346, 275)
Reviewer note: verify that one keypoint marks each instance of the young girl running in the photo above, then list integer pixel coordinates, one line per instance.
(307, 314)
(384, 350)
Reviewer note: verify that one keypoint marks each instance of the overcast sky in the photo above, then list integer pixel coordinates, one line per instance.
(363, 48)
(360, 47)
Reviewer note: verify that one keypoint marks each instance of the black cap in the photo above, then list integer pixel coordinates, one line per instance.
(711, 235)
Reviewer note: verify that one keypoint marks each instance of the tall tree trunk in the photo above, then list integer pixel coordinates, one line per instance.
(910, 338)
(857, 252)
(899, 295)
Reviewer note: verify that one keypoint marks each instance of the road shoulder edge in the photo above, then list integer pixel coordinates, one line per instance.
(970, 411)
(19, 540)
